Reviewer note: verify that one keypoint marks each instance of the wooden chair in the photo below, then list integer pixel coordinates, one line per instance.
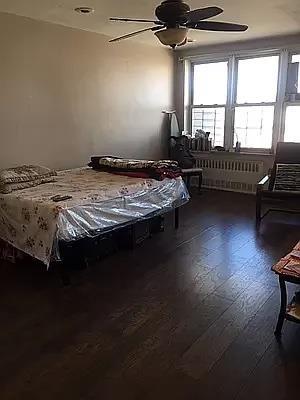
(283, 201)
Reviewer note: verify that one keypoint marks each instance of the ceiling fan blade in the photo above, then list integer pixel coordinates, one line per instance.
(129, 35)
(217, 26)
(136, 20)
(203, 13)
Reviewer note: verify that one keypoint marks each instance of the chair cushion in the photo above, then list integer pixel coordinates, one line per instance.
(286, 153)
(287, 178)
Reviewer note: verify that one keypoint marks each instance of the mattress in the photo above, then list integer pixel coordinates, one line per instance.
(32, 222)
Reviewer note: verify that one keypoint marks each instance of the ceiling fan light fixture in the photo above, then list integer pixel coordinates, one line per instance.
(173, 20)
(172, 36)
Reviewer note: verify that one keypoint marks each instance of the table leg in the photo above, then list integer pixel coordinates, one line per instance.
(283, 304)
(188, 182)
(200, 183)
(258, 208)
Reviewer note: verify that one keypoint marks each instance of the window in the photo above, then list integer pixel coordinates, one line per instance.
(257, 80)
(243, 99)
(292, 124)
(209, 99)
(256, 84)
(210, 83)
(253, 126)
(296, 58)
(210, 120)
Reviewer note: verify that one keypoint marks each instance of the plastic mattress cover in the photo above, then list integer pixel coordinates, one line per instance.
(92, 219)
(92, 202)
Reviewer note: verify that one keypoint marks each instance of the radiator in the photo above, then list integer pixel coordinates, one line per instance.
(236, 175)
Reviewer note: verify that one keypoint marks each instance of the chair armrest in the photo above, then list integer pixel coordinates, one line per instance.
(264, 180)
(262, 183)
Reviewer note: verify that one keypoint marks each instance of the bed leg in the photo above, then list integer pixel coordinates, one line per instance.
(64, 274)
(176, 218)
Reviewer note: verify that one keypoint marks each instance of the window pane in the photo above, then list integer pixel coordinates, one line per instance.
(210, 120)
(292, 124)
(296, 58)
(257, 80)
(210, 83)
(254, 126)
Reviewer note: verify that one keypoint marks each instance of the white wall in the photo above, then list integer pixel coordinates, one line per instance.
(67, 94)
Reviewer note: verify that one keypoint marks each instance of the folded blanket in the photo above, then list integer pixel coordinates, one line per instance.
(159, 174)
(126, 163)
(137, 168)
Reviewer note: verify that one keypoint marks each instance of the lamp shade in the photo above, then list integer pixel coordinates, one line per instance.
(172, 36)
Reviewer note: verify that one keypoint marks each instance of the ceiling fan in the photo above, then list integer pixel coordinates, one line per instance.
(175, 18)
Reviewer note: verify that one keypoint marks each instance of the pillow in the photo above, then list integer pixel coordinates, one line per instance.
(94, 163)
(25, 173)
(287, 177)
(11, 187)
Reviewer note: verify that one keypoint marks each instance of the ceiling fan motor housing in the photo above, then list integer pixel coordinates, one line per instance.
(172, 12)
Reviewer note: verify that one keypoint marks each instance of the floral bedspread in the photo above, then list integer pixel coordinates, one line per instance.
(29, 217)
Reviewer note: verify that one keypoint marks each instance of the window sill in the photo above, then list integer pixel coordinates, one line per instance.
(233, 153)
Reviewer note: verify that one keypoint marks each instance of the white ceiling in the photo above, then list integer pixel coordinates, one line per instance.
(264, 17)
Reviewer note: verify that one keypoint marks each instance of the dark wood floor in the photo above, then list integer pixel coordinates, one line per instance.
(188, 315)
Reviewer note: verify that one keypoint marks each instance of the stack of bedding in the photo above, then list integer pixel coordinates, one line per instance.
(158, 170)
(24, 177)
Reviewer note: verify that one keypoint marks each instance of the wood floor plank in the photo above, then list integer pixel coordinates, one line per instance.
(189, 314)
(207, 350)
(277, 373)
(240, 359)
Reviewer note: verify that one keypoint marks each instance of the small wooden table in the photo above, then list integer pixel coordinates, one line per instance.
(284, 276)
(187, 173)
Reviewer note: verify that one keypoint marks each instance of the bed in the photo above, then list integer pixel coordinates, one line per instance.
(33, 223)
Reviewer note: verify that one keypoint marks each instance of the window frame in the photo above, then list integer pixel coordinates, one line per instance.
(192, 105)
(291, 54)
(280, 104)
(259, 104)
(287, 104)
